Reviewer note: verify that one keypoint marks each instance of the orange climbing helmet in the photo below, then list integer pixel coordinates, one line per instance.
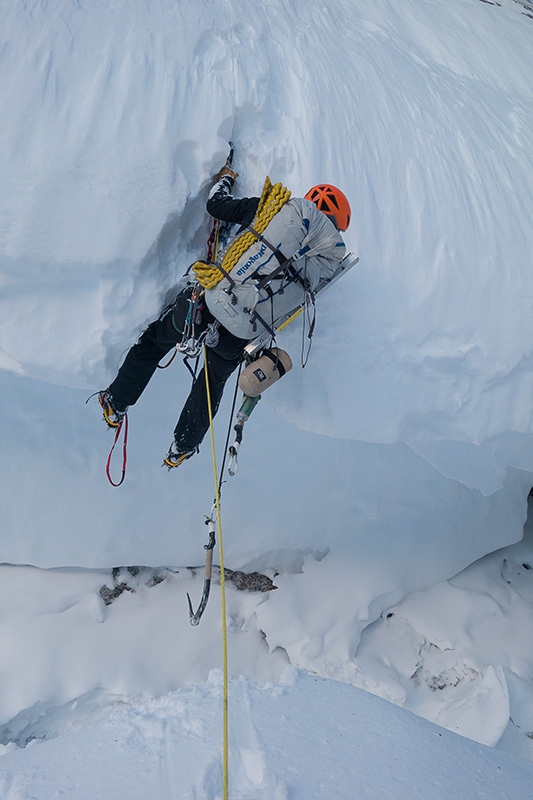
(332, 202)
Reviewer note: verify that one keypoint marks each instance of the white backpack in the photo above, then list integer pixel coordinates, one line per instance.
(298, 248)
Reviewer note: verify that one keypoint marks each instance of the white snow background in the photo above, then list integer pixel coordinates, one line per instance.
(383, 488)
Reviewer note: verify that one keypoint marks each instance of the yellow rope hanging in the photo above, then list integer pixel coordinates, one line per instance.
(225, 758)
(273, 197)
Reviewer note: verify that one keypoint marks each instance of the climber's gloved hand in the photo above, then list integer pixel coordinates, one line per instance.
(227, 172)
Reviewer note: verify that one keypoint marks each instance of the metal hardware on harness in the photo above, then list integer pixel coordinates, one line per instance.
(189, 344)
(191, 348)
(212, 335)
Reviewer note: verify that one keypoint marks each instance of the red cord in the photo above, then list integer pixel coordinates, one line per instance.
(123, 422)
(164, 366)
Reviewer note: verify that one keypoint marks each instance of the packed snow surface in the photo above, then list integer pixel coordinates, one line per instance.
(170, 748)
(383, 488)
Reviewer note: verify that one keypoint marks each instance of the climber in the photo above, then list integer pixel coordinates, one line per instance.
(292, 243)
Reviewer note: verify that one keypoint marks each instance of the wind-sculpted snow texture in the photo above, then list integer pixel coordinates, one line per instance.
(403, 451)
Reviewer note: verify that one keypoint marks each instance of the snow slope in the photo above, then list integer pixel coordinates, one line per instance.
(398, 457)
(170, 748)
(133, 704)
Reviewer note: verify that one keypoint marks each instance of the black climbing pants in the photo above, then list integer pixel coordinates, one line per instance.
(156, 341)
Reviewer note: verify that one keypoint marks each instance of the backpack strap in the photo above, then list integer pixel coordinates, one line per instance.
(255, 317)
(276, 361)
(285, 265)
(260, 238)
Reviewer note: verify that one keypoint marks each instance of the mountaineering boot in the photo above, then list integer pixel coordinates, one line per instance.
(175, 457)
(112, 415)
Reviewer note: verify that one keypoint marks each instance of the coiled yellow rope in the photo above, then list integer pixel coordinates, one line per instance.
(273, 197)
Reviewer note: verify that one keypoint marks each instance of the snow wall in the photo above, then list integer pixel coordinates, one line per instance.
(404, 450)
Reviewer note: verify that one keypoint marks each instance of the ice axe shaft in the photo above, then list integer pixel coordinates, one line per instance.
(195, 617)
